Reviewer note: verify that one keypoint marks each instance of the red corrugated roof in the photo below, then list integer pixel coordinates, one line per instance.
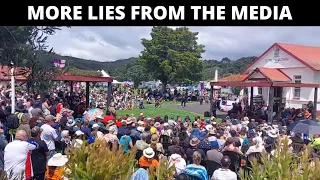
(272, 74)
(5, 75)
(307, 55)
(234, 77)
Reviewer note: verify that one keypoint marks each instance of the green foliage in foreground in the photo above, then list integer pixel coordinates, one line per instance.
(284, 166)
(97, 162)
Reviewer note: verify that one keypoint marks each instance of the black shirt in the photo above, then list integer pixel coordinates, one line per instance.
(39, 158)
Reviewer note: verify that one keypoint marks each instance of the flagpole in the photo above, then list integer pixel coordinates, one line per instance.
(13, 90)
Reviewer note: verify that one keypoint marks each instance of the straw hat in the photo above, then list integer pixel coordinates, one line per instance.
(194, 142)
(154, 138)
(148, 153)
(212, 132)
(58, 160)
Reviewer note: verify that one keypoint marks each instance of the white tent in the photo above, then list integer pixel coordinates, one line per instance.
(105, 74)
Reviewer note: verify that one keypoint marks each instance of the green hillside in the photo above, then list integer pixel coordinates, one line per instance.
(118, 68)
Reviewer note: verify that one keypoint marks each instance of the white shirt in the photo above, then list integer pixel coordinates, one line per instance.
(48, 135)
(29, 111)
(224, 174)
(15, 156)
(179, 163)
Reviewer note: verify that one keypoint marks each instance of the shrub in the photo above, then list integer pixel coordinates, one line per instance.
(284, 165)
(97, 162)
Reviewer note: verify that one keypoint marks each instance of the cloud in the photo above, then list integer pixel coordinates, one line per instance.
(113, 43)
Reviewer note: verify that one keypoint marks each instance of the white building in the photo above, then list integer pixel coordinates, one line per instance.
(283, 66)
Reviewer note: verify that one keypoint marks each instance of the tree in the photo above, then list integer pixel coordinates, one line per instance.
(25, 46)
(172, 55)
(137, 73)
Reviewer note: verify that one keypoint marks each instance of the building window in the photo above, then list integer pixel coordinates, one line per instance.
(297, 90)
(276, 52)
(260, 90)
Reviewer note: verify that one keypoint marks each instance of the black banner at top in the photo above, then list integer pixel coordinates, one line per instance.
(166, 14)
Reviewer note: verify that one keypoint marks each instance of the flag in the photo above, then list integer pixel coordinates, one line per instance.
(59, 63)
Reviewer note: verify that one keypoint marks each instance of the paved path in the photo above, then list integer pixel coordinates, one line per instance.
(196, 108)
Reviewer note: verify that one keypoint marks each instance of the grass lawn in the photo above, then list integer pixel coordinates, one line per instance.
(151, 111)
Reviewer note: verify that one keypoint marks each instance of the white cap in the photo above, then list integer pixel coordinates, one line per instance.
(95, 125)
(79, 133)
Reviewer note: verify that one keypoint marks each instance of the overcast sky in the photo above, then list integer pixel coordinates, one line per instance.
(113, 43)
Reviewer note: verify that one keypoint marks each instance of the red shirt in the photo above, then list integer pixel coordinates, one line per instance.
(118, 124)
(107, 118)
(58, 108)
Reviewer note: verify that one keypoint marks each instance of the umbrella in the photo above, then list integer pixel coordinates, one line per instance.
(93, 114)
(311, 127)
(303, 121)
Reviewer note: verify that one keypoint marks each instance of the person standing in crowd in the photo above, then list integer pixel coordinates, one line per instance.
(55, 169)
(224, 173)
(3, 144)
(49, 134)
(15, 155)
(39, 155)
(214, 108)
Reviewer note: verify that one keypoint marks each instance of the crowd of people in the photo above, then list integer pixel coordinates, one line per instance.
(34, 139)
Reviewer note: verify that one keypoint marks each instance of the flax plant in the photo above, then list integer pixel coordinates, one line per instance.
(97, 162)
(284, 165)
(164, 171)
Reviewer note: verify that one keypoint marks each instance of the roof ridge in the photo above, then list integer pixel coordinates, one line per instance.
(298, 45)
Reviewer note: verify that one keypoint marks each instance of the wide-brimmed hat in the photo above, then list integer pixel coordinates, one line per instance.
(148, 153)
(272, 133)
(79, 133)
(20, 107)
(194, 142)
(154, 138)
(95, 125)
(157, 124)
(70, 122)
(58, 160)
(212, 132)
(49, 118)
(140, 123)
(208, 127)
(129, 121)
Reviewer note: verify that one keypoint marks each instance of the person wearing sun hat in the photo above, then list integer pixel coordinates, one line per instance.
(55, 170)
(194, 142)
(147, 160)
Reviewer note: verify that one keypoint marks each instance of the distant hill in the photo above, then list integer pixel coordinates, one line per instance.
(119, 67)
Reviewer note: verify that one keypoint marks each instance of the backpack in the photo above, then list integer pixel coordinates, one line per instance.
(13, 120)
